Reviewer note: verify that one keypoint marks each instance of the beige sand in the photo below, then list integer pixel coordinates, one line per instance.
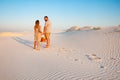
(78, 55)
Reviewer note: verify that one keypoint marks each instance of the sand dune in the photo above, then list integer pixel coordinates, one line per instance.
(73, 55)
(85, 28)
(10, 34)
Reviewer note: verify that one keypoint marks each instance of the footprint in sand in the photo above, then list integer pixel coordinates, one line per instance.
(65, 50)
(62, 50)
(76, 59)
(118, 71)
(112, 58)
(102, 66)
(93, 57)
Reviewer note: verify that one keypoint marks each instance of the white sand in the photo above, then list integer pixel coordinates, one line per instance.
(78, 55)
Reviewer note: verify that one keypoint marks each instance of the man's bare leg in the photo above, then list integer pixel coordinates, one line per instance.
(48, 43)
(48, 40)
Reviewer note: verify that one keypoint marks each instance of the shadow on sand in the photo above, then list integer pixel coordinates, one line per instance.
(23, 41)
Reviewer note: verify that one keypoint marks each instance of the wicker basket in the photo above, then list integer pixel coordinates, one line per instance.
(43, 39)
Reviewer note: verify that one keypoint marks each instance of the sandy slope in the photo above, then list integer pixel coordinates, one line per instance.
(77, 55)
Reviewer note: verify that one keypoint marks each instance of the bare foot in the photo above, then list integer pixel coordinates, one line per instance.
(47, 46)
(38, 49)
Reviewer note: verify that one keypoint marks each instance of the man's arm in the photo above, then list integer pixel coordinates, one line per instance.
(45, 27)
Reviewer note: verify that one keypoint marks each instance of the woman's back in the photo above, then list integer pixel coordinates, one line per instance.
(37, 29)
(37, 35)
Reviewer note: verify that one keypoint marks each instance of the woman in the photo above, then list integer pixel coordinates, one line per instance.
(37, 35)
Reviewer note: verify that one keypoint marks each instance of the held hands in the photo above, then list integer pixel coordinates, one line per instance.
(43, 33)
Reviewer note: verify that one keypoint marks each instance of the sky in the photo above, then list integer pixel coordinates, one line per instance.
(20, 15)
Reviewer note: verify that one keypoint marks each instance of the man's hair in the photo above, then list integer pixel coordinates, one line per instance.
(45, 16)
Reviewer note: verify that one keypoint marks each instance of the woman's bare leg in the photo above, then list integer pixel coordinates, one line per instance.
(38, 45)
(34, 44)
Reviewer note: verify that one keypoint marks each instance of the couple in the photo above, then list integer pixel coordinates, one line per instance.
(38, 33)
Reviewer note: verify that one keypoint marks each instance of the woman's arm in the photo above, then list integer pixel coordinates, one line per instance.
(40, 29)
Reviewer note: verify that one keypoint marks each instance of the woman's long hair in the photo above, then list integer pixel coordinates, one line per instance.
(37, 23)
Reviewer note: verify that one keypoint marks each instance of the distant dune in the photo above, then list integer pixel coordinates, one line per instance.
(76, 28)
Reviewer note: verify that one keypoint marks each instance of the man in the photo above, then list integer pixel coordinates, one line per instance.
(47, 31)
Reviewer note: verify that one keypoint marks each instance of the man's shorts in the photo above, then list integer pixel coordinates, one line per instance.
(47, 35)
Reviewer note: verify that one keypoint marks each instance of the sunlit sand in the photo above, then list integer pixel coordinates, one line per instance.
(77, 54)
